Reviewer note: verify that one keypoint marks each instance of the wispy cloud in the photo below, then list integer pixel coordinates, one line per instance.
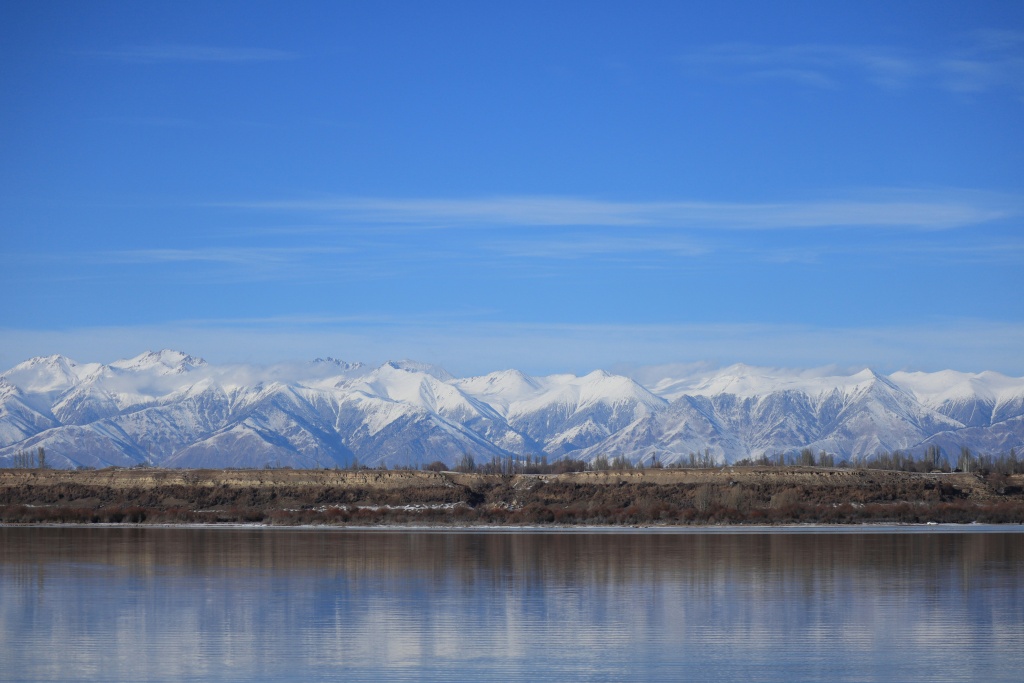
(159, 53)
(985, 61)
(993, 251)
(823, 66)
(923, 213)
(993, 60)
(587, 246)
(220, 265)
(996, 252)
(240, 256)
(317, 262)
(381, 239)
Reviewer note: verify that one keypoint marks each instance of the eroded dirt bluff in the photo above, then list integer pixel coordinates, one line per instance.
(669, 496)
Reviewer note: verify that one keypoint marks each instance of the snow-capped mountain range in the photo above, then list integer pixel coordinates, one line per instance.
(175, 410)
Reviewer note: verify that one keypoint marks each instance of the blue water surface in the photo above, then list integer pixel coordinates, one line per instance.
(174, 604)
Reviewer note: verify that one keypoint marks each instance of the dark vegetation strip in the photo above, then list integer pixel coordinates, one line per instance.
(962, 512)
(932, 459)
(752, 498)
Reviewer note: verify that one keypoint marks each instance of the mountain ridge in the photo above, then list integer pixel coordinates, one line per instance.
(173, 409)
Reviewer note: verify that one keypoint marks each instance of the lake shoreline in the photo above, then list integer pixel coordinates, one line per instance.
(656, 498)
(810, 528)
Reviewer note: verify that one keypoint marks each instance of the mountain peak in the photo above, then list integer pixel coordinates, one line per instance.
(511, 384)
(46, 373)
(435, 371)
(329, 360)
(164, 362)
(597, 375)
(865, 375)
(54, 361)
(336, 363)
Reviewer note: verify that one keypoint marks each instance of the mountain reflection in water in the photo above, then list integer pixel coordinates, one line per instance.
(126, 604)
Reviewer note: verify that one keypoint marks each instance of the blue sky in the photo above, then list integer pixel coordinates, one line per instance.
(550, 186)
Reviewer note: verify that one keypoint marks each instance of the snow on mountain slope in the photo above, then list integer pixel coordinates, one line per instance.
(739, 413)
(48, 375)
(748, 381)
(19, 419)
(327, 373)
(107, 392)
(165, 362)
(94, 445)
(975, 400)
(244, 445)
(565, 412)
(86, 393)
(408, 386)
(296, 424)
(418, 388)
(997, 438)
(501, 389)
(162, 429)
(670, 435)
(170, 408)
(435, 371)
(407, 436)
(877, 416)
(935, 388)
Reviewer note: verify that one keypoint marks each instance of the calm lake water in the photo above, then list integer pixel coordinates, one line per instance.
(158, 604)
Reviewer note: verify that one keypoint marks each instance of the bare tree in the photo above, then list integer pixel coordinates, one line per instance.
(466, 464)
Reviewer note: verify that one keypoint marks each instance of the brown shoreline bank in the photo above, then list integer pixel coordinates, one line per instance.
(730, 495)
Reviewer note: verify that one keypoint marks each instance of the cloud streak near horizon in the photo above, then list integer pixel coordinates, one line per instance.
(466, 346)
